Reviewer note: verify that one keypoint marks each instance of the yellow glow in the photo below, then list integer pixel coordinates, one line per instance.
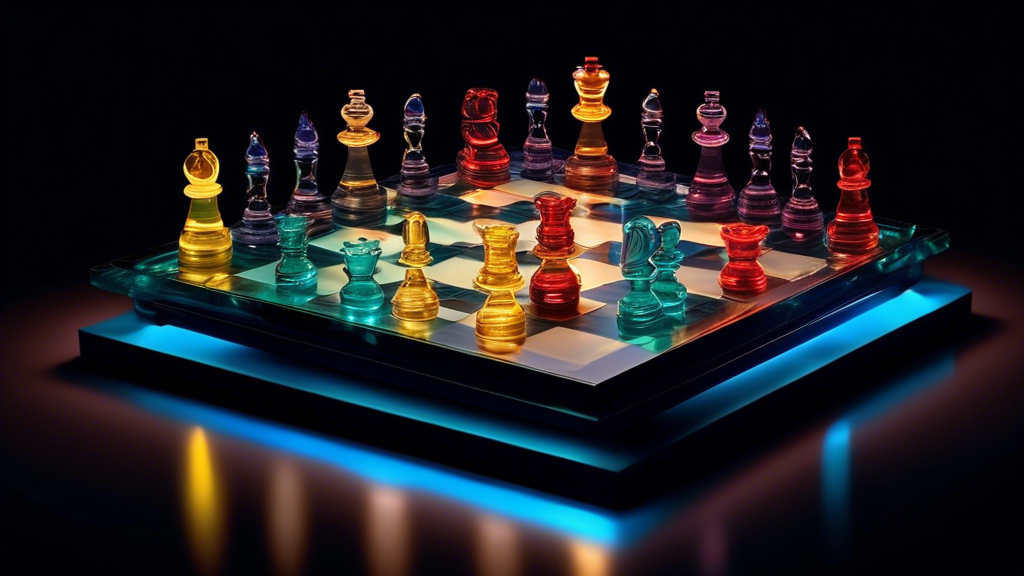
(589, 559)
(204, 505)
(205, 243)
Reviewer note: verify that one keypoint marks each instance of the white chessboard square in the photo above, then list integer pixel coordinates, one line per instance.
(789, 266)
(571, 347)
(700, 281)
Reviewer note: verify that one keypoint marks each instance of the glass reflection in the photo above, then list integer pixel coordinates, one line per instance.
(204, 504)
(287, 518)
(387, 532)
(589, 559)
(497, 551)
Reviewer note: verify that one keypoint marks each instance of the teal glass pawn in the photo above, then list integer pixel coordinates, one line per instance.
(295, 275)
(640, 309)
(669, 290)
(362, 295)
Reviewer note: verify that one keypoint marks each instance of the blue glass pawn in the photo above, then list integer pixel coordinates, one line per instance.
(538, 159)
(295, 274)
(669, 290)
(306, 199)
(653, 181)
(257, 227)
(362, 295)
(640, 309)
(416, 179)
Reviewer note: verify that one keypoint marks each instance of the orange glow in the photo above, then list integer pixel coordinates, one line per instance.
(497, 547)
(204, 505)
(589, 559)
(388, 532)
(287, 518)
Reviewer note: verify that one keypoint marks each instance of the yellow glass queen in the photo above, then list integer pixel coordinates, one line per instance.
(205, 243)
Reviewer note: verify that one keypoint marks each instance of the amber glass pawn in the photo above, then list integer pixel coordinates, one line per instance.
(415, 300)
(205, 243)
(854, 230)
(591, 168)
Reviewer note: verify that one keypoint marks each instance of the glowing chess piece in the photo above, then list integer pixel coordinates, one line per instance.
(483, 162)
(361, 295)
(591, 168)
(257, 227)
(669, 290)
(358, 200)
(759, 202)
(640, 308)
(854, 230)
(501, 323)
(295, 274)
(500, 270)
(415, 300)
(538, 160)
(416, 179)
(555, 286)
(205, 244)
(306, 199)
(743, 275)
(652, 180)
(801, 218)
(711, 196)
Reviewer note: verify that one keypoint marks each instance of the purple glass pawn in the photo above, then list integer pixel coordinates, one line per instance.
(416, 180)
(801, 218)
(652, 180)
(711, 197)
(538, 160)
(759, 202)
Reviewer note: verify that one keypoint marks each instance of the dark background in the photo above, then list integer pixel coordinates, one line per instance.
(102, 105)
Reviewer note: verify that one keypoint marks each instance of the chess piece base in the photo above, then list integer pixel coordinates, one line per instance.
(487, 169)
(501, 323)
(854, 230)
(639, 309)
(745, 278)
(670, 292)
(656, 185)
(555, 287)
(316, 208)
(802, 219)
(416, 180)
(415, 300)
(591, 168)
(359, 200)
(759, 204)
(204, 244)
(257, 228)
(711, 197)
(538, 159)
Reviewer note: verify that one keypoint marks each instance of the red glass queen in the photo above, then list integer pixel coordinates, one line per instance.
(743, 275)
(484, 161)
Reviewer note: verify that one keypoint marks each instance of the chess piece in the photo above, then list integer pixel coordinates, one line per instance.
(294, 274)
(362, 295)
(640, 308)
(759, 203)
(743, 275)
(415, 300)
(358, 200)
(669, 290)
(257, 227)
(538, 159)
(500, 270)
(854, 230)
(711, 196)
(306, 199)
(501, 323)
(416, 180)
(591, 168)
(205, 244)
(555, 286)
(653, 181)
(483, 162)
(801, 218)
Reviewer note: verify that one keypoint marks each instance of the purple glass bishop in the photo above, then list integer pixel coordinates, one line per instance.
(759, 202)
(538, 161)
(801, 218)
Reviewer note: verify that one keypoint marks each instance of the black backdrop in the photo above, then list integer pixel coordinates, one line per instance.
(102, 105)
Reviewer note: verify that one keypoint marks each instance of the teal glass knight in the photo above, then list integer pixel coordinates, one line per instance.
(362, 296)
(653, 181)
(257, 227)
(295, 274)
(669, 290)
(640, 310)
(306, 199)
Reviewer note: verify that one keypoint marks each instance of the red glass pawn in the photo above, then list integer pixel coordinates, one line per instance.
(743, 275)
(854, 230)
(555, 286)
(484, 161)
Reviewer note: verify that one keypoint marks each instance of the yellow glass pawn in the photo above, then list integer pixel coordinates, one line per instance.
(500, 270)
(415, 300)
(205, 243)
(501, 323)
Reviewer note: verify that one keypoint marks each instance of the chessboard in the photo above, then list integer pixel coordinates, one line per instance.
(576, 371)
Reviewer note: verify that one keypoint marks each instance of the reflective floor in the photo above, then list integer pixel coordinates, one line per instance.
(106, 476)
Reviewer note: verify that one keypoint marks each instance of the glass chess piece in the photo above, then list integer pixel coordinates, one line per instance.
(538, 158)
(501, 323)
(358, 199)
(640, 310)
(204, 247)
(669, 290)
(415, 300)
(295, 274)
(591, 168)
(361, 296)
(802, 219)
(759, 202)
(743, 275)
(257, 227)
(501, 269)
(854, 230)
(483, 162)
(555, 285)
(653, 181)
(711, 196)
(416, 180)
(306, 199)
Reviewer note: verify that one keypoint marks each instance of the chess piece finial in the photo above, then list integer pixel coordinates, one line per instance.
(483, 162)
(358, 200)
(257, 227)
(555, 285)
(667, 260)
(501, 323)
(306, 199)
(759, 202)
(361, 296)
(743, 275)
(854, 230)
(538, 159)
(591, 168)
(295, 274)
(416, 236)
(711, 196)
(415, 300)
(653, 181)
(501, 269)
(640, 308)
(416, 180)
(205, 244)
(802, 219)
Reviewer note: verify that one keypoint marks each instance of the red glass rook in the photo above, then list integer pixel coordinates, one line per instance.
(743, 275)
(555, 286)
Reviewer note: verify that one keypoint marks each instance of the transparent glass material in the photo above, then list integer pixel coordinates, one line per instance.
(295, 274)
(358, 200)
(306, 199)
(711, 196)
(640, 308)
(759, 202)
(415, 300)
(501, 269)
(362, 295)
(204, 248)
(483, 162)
(416, 179)
(653, 182)
(555, 286)
(854, 230)
(669, 290)
(802, 219)
(591, 168)
(501, 323)
(743, 275)
(538, 157)
(257, 227)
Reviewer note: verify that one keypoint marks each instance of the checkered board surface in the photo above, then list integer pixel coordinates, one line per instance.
(586, 347)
